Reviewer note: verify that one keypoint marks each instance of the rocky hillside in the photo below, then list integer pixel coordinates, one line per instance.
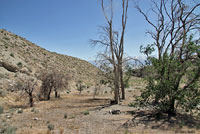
(19, 57)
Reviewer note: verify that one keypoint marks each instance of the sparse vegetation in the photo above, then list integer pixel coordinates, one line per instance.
(52, 81)
(19, 64)
(162, 90)
(7, 129)
(65, 116)
(6, 38)
(1, 109)
(12, 55)
(50, 127)
(28, 86)
(86, 112)
(80, 86)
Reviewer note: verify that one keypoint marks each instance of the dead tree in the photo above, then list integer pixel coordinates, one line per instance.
(114, 45)
(28, 85)
(52, 80)
(60, 82)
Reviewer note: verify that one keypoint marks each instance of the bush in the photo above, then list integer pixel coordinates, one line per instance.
(65, 116)
(1, 109)
(50, 126)
(12, 55)
(86, 112)
(7, 129)
(10, 130)
(72, 116)
(20, 111)
(19, 64)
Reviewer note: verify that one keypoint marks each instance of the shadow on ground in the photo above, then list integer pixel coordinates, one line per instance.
(156, 120)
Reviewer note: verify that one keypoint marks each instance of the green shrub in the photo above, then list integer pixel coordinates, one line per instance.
(1, 109)
(6, 38)
(33, 109)
(72, 116)
(12, 55)
(86, 112)
(65, 116)
(50, 126)
(20, 111)
(10, 130)
(7, 129)
(19, 64)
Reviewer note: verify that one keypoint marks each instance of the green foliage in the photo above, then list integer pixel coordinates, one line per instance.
(10, 130)
(86, 112)
(19, 64)
(12, 55)
(72, 116)
(1, 109)
(7, 129)
(20, 111)
(65, 116)
(80, 86)
(50, 126)
(165, 88)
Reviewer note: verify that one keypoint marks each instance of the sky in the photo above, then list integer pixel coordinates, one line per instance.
(66, 26)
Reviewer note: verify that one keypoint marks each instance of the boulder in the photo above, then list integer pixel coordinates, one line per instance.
(9, 67)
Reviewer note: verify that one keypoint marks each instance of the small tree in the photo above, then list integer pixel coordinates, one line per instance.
(53, 80)
(80, 86)
(27, 85)
(60, 82)
(47, 85)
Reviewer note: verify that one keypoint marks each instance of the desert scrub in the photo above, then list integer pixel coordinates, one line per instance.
(7, 129)
(12, 55)
(19, 64)
(86, 112)
(72, 116)
(3, 76)
(65, 116)
(6, 38)
(1, 109)
(50, 126)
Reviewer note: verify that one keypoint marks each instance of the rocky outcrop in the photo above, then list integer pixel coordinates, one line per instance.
(9, 67)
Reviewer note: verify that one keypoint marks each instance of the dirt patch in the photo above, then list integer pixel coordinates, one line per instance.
(81, 114)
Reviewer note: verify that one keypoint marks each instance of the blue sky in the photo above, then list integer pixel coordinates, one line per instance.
(66, 26)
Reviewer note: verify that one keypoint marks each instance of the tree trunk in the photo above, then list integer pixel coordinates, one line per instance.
(80, 89)
(122, 84)
(49, 94)
(171, 110)
(116, 85)
(31, 100)
(56, 94)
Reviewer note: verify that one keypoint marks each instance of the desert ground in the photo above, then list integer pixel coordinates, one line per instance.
(76, 113)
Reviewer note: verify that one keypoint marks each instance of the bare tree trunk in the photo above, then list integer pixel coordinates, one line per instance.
(122, 84)
(116, 85)
(31, 100)
(56, 94)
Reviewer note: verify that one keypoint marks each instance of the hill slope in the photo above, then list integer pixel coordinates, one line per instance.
(19, 56)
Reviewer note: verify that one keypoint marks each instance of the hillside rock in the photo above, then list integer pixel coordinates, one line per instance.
(9, 67)
(20, 56)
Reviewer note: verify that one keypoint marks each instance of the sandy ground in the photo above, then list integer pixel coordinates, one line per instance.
(82, 114)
